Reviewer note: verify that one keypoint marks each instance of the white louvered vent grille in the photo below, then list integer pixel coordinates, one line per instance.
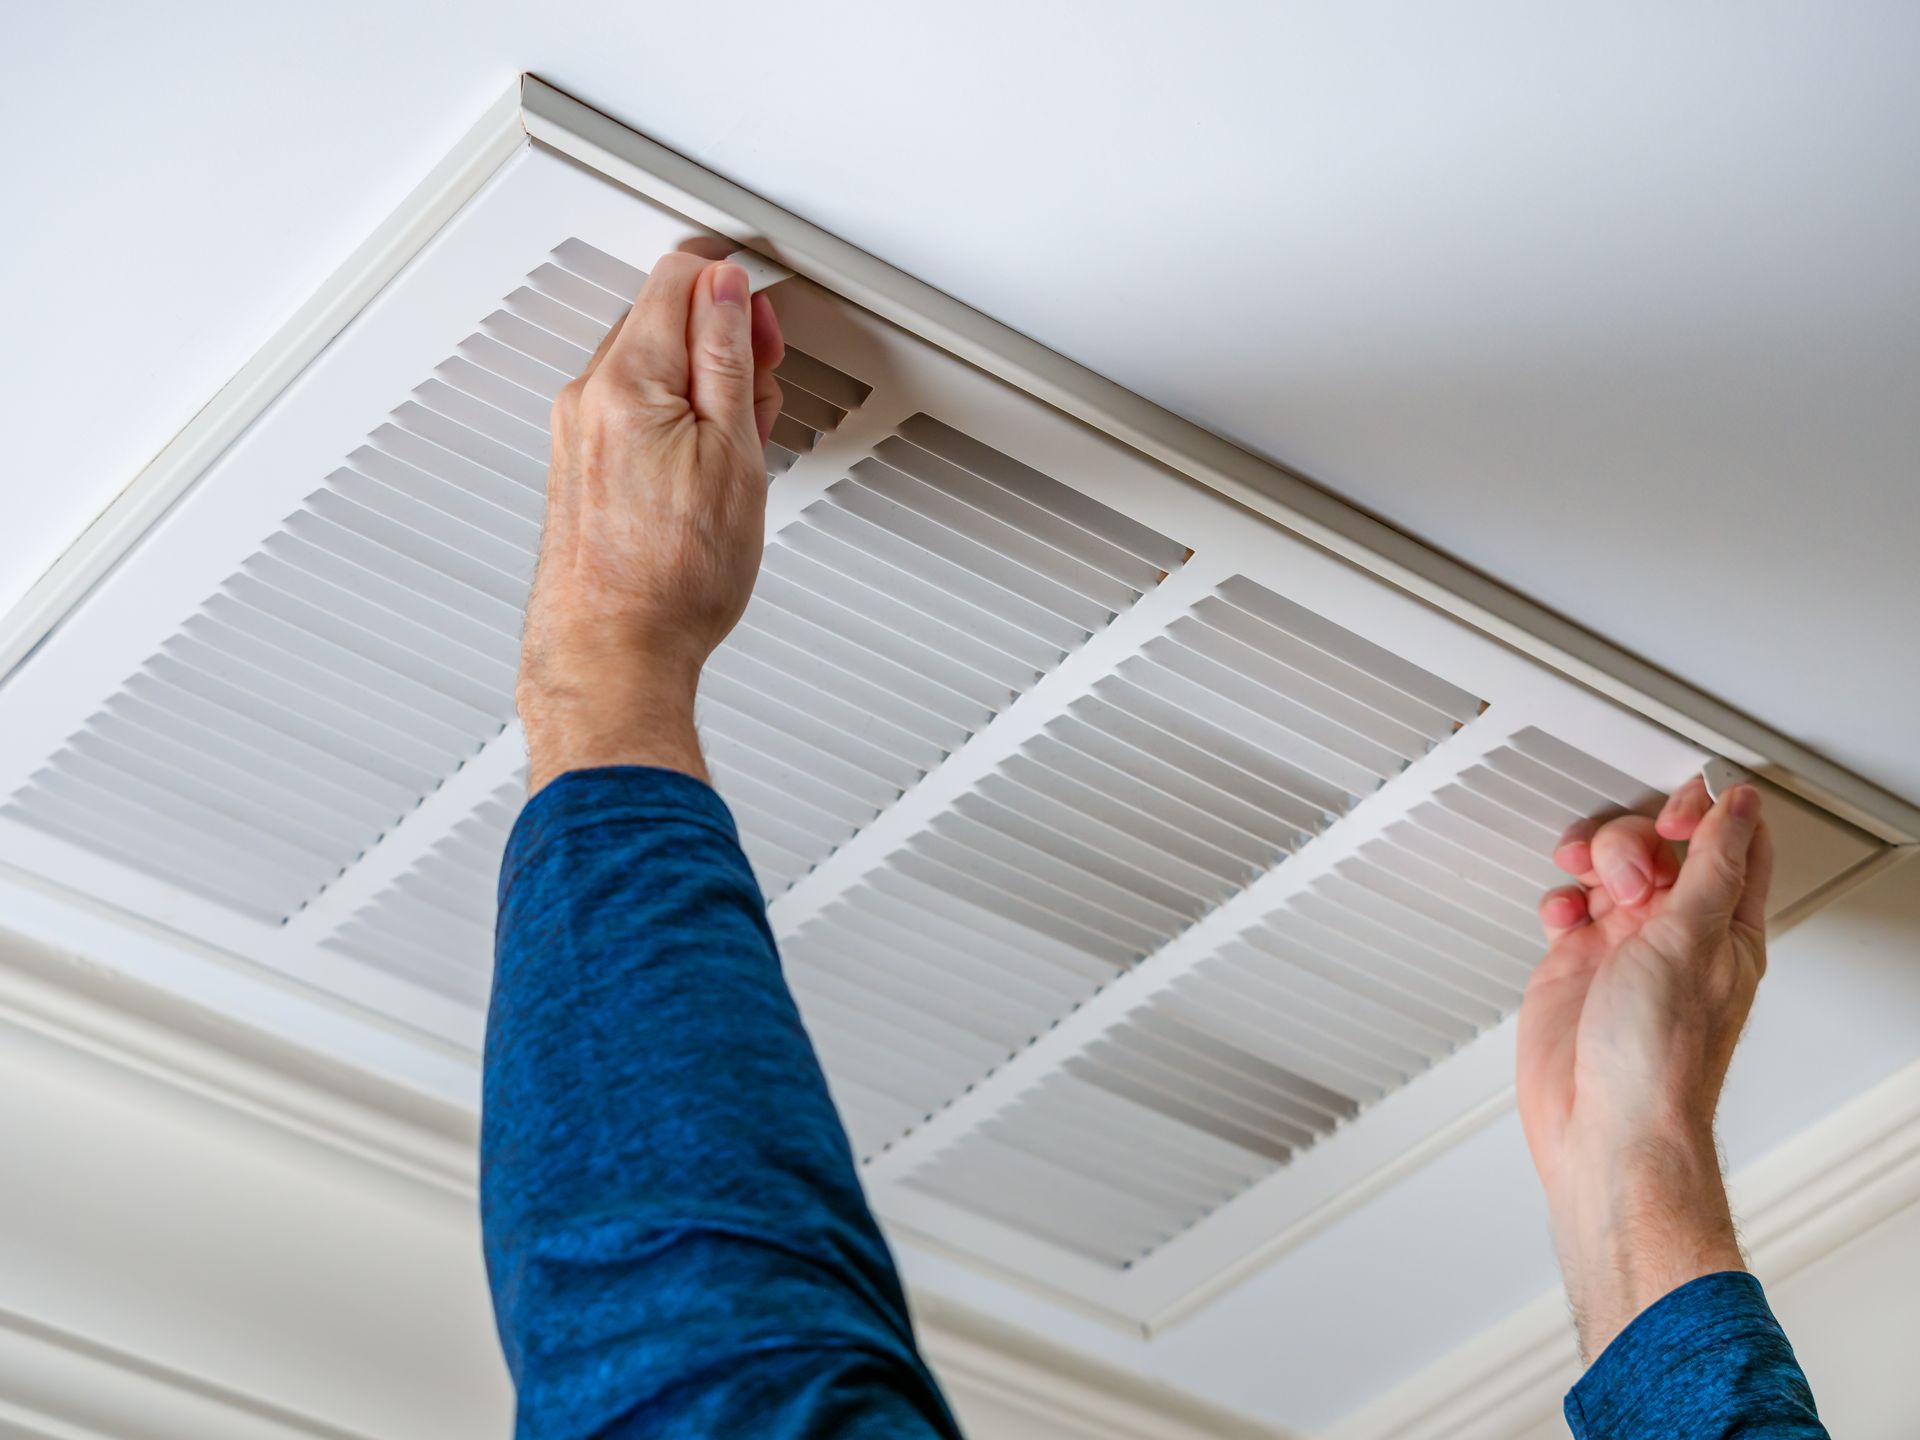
(368, 650)
(1194, 768)
(1341, 993)
(434, 923)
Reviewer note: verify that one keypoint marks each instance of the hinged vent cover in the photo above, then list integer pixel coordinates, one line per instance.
(1149, 878)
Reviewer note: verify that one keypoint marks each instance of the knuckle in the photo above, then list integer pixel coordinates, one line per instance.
(725, 361)
(567, 401)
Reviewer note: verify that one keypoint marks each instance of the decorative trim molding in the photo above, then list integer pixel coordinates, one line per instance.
(1063, 1389)
(55, 1385)
(157, 1035)
(1802, 1201)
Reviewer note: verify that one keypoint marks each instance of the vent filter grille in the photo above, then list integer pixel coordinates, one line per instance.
(1163, 792)
(1346, 990)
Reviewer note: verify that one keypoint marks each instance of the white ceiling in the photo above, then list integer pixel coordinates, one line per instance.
(1622, 306)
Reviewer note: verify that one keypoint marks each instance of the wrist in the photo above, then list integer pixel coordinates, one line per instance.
(633, 710)
(1634, 1220)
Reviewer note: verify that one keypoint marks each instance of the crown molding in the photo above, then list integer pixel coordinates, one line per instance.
(56, 1385)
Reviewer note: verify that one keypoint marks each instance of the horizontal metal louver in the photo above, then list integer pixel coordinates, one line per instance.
(1341, 994)
(1192, 769)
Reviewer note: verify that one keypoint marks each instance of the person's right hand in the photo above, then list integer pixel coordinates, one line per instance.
(656, 508)
(1626, 1032)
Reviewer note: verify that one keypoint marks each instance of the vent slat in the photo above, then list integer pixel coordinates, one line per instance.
(234, 889)
(463, 475)
(454, 564)
(798, 370)
(422, 612)
(500, 510)
(319, 835)
(1073, 506)
(601, 305)
(510, 365)
(1222, 757)
(1109, 827)
(832, 517)
(860, 498)
(529, 439)
(476, 674)
(1089, 554)
(502, 394)
(470, 444)
(998, 537)
(559, 320)
(536, 344)
(333, 643)
(174, 690)
(937, 633)
(1449, 701)
(902, 588)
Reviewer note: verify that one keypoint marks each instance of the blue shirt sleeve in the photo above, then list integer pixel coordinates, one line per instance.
(1707, 1361)
(675, 1232)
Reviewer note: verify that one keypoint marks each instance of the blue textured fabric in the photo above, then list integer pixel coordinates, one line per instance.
(1705, 1362)
(675, 1232)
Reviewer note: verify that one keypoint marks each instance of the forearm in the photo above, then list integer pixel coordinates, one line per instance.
(667, 1193)
(1680, 1335)
(1634, 1221)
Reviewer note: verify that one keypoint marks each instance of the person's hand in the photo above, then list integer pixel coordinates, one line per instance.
(656, 512)
(1625, 1036)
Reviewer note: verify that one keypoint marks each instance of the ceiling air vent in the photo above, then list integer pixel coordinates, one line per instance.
(1152, 842)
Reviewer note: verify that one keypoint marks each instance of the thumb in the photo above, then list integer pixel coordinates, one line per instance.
(1716, 876)
(720, 348)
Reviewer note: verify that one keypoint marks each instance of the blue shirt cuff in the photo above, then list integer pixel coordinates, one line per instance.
(1701, 1356)
(582, 799)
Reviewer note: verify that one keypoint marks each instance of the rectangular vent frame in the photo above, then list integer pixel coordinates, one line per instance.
(963, 413)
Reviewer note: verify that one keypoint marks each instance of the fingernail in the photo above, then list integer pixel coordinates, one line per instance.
(729, 285)
(1627, 882)
(1744, 802)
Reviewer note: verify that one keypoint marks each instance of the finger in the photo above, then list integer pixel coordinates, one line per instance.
(607, 342)
(769, 349)
(1563, 910)
(1574, 853)
(1626, 857)
(769, 344)
(766, 404)
(720, 341)
(1682, 813)
(1713, 878)
(1751, 908)
(652, 344)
